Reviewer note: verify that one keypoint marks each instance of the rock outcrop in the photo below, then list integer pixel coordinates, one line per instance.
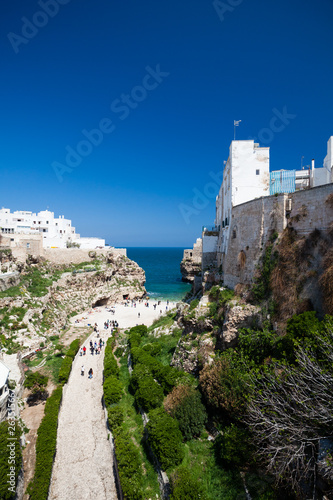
(114, 279)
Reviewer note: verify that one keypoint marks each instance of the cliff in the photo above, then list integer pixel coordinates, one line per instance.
(190, 266)
(49, 294)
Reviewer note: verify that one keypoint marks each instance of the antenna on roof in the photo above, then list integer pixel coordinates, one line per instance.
(302, 162)
(236, 124)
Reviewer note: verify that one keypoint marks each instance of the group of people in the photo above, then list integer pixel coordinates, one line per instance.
(111, 324)
(90, 372)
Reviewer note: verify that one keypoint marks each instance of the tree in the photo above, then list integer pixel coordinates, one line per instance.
(292, 413)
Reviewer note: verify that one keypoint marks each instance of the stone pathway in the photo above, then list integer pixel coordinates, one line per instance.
(83, 468)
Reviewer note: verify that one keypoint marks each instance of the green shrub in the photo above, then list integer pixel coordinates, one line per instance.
(149, 394)
(113, 390)
(194, 303)
(233, 446)
(119, 352)
(257, 345)
(214, 293)
(35, 379)
(115, 416)
(10, 458)
(225, 384)
(191, 415)
(186, 487)
(153, 349)
(45, 447)
(65, 370)
(73, 348)
(129, 465)
(110, 366)
(165, 438)
(139, 372)
(66, 365)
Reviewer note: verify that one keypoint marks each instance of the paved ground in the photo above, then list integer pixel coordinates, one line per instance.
(83, 468)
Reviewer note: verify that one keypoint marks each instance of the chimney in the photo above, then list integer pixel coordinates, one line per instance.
(312, 173)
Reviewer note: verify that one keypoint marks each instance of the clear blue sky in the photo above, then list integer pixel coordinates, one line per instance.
(189, 69)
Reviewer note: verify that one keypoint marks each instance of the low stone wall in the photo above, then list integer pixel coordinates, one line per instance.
(77, 255)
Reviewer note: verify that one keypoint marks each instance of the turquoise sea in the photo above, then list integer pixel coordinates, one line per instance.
(162, 267)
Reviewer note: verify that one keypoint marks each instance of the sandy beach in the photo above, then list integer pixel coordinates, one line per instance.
(127, 316)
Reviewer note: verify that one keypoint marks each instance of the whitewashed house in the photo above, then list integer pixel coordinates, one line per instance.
(4, 390)
(245, 177)
(56, 232)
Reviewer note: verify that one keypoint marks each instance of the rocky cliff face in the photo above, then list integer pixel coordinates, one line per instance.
(26, 320)
(189, 269)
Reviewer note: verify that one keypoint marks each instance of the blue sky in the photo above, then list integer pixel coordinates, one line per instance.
(163, 82)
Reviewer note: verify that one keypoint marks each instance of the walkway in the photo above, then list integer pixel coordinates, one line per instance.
(83, 468)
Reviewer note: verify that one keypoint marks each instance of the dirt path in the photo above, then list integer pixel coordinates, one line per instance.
(83, 468)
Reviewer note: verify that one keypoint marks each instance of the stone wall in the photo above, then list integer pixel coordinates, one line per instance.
(254, 222)
(77, 255)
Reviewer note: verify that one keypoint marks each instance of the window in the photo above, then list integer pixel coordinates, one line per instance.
(234, 234)
(258, 172)
(28, 245)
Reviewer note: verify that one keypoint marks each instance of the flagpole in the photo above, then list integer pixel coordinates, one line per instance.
(236, 124)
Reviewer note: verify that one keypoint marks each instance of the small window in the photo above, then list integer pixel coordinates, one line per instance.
(258, 172)
(28, 245)
(11, 239)
(234, 234)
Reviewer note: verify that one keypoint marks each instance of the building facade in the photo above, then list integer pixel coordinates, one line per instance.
(245, 177)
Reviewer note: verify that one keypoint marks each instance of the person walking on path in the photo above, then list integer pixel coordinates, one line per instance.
(82, 370)
(84, 350)
(90, 373)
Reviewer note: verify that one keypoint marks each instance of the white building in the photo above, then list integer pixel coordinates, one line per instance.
(245, 177)
(4, 391)
(56, 232)
(289, 181)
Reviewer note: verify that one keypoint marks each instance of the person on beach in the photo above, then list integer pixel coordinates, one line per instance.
(84, 350)
(82, 370)
(138, 315)
(90, 373)
(81, 351)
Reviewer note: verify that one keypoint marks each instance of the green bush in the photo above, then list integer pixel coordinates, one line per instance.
(191, 415)
(115, 416)
(233, 446)
(149, 394)
(165, 438)
(138, 373)
(46, 447)
(186, 487)
(35, 379)
(113, 390)
(73, 348)
(153, 349)
(257, 345)
(10, 458)
(110, 366)
(129, 465)
(65, 370)
(194, 303)
(66, 365)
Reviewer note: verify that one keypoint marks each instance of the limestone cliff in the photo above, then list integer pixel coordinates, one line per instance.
(49, 294)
